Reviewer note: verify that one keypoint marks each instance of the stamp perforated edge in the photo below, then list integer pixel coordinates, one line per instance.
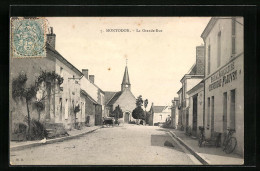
(12, 53)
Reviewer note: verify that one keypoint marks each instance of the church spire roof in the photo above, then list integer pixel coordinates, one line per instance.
(126, 77)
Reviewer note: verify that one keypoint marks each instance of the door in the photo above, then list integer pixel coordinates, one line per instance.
(194, 115)
(60, 109)
(232, 109)
(48, 101)
(88, 120)
(126, 118)
(212, 115)
(187, 118)
(224, 112)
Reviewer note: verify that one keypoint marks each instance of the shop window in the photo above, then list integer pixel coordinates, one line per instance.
(219, 49)
(232, 109)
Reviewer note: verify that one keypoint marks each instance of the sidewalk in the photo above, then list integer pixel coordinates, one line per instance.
(210, 154)
(14, 145)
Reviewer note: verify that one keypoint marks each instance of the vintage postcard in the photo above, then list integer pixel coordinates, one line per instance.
(126, 91)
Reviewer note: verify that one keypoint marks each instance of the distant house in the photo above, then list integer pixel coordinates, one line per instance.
(94, 99)
(160, 114)
(124, 98)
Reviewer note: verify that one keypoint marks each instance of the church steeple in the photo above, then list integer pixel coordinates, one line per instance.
(126, 81)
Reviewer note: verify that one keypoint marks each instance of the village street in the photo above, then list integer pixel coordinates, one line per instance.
(120, 145)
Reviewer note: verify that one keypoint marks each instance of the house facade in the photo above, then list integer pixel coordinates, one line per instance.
(224, 77)
(94, 99)
(59, 100)
(189, 80)
(160, 114)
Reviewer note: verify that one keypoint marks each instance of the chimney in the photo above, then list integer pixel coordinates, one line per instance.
(200, 62)
(51, 37)
(92, 78)
(85, 73)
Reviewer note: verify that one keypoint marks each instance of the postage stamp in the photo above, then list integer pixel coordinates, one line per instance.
(28, 37)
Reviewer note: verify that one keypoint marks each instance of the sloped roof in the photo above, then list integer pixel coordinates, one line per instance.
(196, 87)
(109, 95)
(88, 96)
(62, 59)
(126, 79)
(158, 109)
(114, 98)
(193, 70)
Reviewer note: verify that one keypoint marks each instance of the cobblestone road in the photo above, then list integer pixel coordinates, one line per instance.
(123, 145)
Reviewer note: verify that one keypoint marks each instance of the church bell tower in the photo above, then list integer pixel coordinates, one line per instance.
(126, 82)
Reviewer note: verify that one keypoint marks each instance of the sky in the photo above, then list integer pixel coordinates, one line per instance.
(156, 60)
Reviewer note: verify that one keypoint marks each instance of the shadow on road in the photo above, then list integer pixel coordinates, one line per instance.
(164, 141)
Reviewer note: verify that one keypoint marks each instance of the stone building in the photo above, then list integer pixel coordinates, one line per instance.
(124, 98)
(224, 77)
(59, 101)
(189, 80)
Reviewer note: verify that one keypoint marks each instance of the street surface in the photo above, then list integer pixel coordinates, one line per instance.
(121, 145)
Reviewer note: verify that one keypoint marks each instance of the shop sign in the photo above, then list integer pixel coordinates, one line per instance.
(223, 77)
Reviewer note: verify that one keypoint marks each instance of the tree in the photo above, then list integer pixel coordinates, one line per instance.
(145, 103)
(117, 113)
(21, 92)
(138, 113)
(139, 101)
(146, 113)
(42, 94)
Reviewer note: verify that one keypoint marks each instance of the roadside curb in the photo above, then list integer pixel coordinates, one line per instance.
(50, 141)
(191, 150)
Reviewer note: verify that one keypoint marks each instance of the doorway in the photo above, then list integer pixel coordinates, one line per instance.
(126, 117)
(194, 115)
(232, 109)
(224, 112)
(212, 115)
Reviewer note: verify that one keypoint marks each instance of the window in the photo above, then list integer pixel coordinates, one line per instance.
(208, 112)
(66, 109)
(233, 36)
(60, 102)
(232, 108)
(219, 49)
(61, 71)
(208, 59)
